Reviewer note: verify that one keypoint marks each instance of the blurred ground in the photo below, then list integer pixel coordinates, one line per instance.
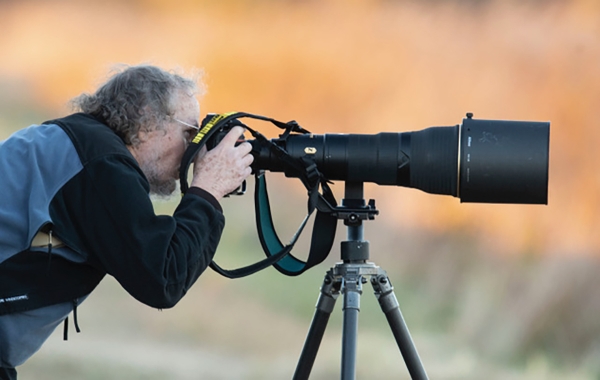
(489, 291)
(139, 346)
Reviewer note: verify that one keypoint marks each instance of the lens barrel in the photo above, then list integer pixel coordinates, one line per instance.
(484, 161)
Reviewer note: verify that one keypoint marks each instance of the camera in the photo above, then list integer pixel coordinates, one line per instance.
(484, 161)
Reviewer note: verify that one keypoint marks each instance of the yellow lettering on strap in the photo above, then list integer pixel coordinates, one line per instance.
(211, 123)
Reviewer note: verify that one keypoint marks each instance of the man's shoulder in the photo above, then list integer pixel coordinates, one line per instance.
(91, 138)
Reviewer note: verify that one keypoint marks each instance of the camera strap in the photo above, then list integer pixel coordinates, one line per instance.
(278, 254)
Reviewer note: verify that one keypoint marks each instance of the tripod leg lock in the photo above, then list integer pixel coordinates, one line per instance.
(384, 291)
(330, 290)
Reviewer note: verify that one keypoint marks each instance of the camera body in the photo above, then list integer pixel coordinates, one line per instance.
(221, 130)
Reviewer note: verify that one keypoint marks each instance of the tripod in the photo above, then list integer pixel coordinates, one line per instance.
(347, 278)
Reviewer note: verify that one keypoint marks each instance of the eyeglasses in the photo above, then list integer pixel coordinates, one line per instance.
(189, 134)
(187, 124)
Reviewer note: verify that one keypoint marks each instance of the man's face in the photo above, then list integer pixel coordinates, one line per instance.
(160, 151)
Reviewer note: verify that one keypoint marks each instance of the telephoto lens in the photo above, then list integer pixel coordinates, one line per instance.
(483, 161)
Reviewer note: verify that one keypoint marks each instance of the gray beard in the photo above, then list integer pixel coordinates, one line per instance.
(163, 188)
(172, 197)
(158, 186)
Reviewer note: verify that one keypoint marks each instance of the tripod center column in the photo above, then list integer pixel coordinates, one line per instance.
(355, 249)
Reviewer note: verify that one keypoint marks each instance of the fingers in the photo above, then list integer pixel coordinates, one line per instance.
(224, 168)
(247, 158)
(243, 149)
(233, 136)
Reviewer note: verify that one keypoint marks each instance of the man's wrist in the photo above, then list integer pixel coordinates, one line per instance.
(206, 195)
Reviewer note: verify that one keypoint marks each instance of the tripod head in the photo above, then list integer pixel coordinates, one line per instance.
(353, 210)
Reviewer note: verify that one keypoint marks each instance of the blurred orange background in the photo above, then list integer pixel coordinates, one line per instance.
(353, 67)
(360, 67)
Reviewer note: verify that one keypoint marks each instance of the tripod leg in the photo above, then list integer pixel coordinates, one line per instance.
(384, 292)
(329, 293)
(352, 289)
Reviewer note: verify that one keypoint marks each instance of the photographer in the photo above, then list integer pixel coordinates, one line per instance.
(75, 205)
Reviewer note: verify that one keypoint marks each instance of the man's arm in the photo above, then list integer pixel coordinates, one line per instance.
(105, 213)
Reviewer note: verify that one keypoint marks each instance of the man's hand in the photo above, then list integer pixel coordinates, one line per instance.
(223, 168)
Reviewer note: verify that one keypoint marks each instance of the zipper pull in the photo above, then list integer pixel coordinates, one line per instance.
(49, 249)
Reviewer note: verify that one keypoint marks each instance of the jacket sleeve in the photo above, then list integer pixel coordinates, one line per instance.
(105, 213)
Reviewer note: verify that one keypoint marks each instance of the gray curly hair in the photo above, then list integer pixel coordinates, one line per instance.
(136, 97)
